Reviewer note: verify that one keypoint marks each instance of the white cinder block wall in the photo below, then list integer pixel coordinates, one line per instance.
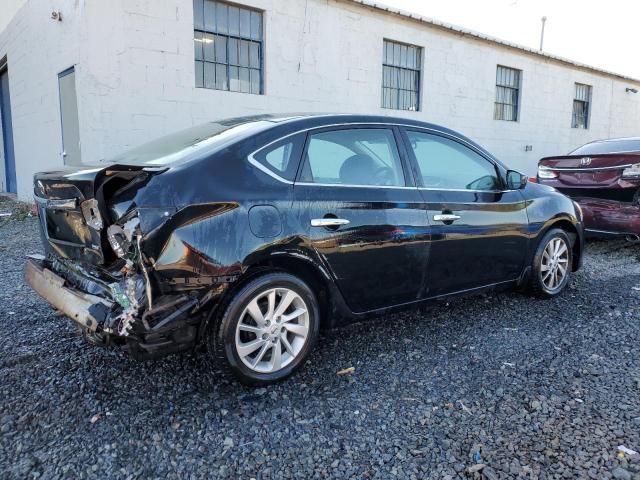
(37, 49)
(135, 78)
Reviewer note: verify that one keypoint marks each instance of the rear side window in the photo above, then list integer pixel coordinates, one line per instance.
(364, 156)
(448, 165)
(282, 157)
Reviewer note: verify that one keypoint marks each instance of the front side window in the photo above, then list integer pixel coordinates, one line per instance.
(581, 101)
(507, 94)
(353, 157)
(282, 157)
(448, 165)
(228, 47)
(401, 76)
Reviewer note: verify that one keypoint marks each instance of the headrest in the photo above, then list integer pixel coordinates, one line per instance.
(358, 169)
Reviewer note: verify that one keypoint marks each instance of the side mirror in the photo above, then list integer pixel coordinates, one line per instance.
(516, 180)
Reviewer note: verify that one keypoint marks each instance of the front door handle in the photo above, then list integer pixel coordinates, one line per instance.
(328, 222)
(446, 217)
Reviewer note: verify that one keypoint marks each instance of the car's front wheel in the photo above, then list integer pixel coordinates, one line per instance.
(267, 329)
(552, 263)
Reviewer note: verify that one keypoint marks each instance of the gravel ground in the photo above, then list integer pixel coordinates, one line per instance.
(529, 388)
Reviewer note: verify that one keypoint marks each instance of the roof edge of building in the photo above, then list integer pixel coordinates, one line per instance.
(487, 38)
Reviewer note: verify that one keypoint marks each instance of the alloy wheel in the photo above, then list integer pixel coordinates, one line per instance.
(555, 263)
(272, 330)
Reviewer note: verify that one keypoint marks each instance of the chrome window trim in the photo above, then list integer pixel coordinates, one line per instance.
(311, 184)
(433, 189)
(349, 185)
(252, 160)
(264, 169)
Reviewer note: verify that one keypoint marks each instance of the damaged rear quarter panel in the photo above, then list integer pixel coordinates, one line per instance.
(198, 233)
(201, 240)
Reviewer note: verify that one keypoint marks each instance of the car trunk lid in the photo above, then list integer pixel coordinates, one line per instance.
(594, 171)
(72, 207)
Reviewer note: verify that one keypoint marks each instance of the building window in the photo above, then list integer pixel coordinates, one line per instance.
(507, 94)
(228, 47)
(582, 98)
(401, 76)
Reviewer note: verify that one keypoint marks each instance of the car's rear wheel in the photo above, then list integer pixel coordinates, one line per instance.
(551, 268)
(267, 330)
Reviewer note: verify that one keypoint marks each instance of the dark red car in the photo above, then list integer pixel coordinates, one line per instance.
(604, 178)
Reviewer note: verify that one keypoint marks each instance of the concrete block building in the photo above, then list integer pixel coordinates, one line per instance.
(81, 80)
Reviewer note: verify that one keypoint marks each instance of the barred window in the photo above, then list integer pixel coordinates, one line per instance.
(401, 76)
(228, 47)
(581, 101)
(507, 94)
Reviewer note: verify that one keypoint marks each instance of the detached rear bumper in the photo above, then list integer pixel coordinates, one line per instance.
(82, 308)
(173, 324)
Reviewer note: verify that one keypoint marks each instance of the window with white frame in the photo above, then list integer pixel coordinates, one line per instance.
(228, 47)
(581, 102)
(401, 76)
(507, 94)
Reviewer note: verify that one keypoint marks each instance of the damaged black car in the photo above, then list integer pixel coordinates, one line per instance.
(244, 237)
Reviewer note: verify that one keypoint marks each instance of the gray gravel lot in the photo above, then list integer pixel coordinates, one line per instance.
(541, 389)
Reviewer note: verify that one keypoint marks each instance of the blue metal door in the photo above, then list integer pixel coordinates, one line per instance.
(7, 134)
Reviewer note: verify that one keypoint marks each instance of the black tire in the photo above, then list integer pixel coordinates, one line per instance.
(221, 336)
(537, 286)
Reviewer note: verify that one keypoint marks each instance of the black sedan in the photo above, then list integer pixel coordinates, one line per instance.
(246, 236)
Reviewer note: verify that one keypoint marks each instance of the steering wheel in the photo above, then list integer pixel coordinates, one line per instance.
(384, 176)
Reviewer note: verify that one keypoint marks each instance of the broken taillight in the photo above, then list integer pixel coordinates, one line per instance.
(546, 172)
(631, 172)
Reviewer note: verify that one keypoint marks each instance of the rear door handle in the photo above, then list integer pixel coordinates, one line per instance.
(328, 222)
(446, 217)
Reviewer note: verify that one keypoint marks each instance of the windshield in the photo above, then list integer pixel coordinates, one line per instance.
(622, 145)
(184, 144)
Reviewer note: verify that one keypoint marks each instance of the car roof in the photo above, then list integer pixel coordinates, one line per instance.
(336, 118)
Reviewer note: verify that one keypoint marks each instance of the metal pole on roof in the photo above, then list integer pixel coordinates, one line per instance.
(544, 19)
